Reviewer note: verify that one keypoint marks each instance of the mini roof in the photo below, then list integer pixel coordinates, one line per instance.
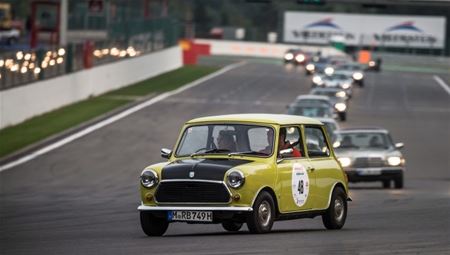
(279, 119)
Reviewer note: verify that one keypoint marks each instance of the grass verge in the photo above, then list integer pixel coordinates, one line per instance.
(38, 128)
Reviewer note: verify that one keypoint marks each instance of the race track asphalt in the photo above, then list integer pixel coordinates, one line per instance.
(82, 197)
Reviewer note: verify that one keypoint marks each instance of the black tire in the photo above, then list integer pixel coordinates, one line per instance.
(153, 226)
(387, 184)
(260, 220)
(232, 226)
(342, 116)
(336, 214)
(361, 84)
(398, 182)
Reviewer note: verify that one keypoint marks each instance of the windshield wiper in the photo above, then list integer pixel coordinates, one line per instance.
(209, 151)
(247, 153)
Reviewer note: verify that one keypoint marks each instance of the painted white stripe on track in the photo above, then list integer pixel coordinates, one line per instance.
(115, 118)
(442, 84)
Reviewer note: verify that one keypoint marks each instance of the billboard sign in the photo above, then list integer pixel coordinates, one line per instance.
(365, 29)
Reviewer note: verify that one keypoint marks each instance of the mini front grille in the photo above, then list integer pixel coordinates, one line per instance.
(192, 192)
(368, 162)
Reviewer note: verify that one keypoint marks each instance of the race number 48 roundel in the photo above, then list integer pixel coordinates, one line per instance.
(300, 184)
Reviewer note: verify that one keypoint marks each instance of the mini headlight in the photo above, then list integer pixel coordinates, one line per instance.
(345, 162)
(300, 58)
(340, 107)
(358, 76)
(345, 85)
(394, 161)
(289, 56)
(149, 178)
(235, 179)
(310, 67)
(329, 70)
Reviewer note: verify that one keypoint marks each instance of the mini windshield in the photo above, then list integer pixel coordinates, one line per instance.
(362, 140)
(231, 139)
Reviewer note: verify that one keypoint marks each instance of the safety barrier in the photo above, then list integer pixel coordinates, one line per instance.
(23, 102)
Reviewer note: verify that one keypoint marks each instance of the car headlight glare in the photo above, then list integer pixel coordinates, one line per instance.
(289, 56)
(371, 63)
(149, 178)
(300, 58)
(394, 161)
(341, 94)
(345, 162)
(235, 179)
(317, 80)
(358, 76)
(329, 70)
(345, 85)
(310, 67)
(340, 107)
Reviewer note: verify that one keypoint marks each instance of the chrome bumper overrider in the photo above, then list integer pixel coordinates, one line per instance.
(194, 208)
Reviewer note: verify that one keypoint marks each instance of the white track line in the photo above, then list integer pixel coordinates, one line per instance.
(115, 118)
(442, 83)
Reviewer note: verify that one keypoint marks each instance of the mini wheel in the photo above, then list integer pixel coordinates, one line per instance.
(336, 214)
(152, 225)
(261, 218)
(232, 226)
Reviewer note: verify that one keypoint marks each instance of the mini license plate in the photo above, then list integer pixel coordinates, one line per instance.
(369, 171)
(203, 216)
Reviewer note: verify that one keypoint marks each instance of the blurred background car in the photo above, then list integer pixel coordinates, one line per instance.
(370, 155)
(296, 56)
(338, 98)
(317, 65)
(312, 106)
(330, 124)
(336, 80)
(353, 70)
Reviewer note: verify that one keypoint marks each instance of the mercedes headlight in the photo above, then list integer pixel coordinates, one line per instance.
(235, 179)
(329, 70)
(310, 67)
(394, 161)
(149, 178)
(300, 58)
(358, 76)
(345, 162)
(340, 107)
(346, 85)
(289, 56)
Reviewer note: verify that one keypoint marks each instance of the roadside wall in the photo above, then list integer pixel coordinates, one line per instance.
(21, 103)
(240, 48)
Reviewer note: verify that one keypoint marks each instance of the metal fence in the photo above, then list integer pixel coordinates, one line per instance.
(22, 67)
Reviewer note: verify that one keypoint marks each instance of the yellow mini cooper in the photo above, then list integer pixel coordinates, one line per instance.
(245, 168)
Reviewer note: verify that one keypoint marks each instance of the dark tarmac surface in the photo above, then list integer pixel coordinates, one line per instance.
(82, 197)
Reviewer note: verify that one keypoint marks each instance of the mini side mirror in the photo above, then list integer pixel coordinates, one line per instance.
(399, 145)
(166, 153)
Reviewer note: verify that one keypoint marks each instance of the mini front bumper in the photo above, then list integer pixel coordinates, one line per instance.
(365, 174)
(194, 208)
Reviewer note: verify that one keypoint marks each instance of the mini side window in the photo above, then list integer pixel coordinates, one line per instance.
(316, 142)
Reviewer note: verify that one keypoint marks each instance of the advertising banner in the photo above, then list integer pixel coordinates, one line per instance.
(365, 29)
